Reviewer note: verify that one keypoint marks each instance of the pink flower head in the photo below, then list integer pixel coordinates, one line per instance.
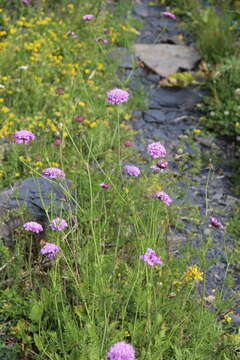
(155, 168)
(101, 40)
(79, 118)
(216, 223)
(128, 143)
(121, 351)
(72, 34)
(117, 96)
(50, 250)
(33, 227)
(132, 170)
(57, 141)
(88, 17)
(156, 150)
(163, 196)
(25, 2)
(169, 14)
(162, 164)
(105, 186)
(151, 258)
(58, 224)
(23, 137)
(53, 173)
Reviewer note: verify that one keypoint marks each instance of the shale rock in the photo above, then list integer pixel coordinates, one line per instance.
(38, 196)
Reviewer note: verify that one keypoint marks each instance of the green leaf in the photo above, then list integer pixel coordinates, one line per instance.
(36, 312)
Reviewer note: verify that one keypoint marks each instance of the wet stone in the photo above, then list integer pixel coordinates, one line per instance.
(184, 98)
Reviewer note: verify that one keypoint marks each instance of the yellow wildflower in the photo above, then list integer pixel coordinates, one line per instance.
(196, 131)
(192, 273)
(100, 66)
(5, 109)
(55, 164)
(93, 124)
(227, 318)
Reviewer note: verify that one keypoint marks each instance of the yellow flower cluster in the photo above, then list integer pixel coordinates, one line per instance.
(192, 274)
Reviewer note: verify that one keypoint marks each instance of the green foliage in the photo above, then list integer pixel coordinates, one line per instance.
(96, 291)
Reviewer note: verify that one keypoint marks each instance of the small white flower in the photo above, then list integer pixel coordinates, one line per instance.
(2, 86)
(23, 67)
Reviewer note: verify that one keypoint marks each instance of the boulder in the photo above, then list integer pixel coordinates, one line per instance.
(40, 197)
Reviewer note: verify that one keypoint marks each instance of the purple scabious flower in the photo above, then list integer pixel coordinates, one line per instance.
(101, 40)
(156, 150)
(162, 164)
(72, 34)
(117, 96)
(23, 137)
(216, 223)
(151, 258)
(132, 170)
(25, 2)
(121, 351)
(50, 250)
(53, 173)
(155, 168)
(33, 227)
(58, 224)
(169, 14)
(88, 17)
(79, 118)
(105, 186)
(163, 196)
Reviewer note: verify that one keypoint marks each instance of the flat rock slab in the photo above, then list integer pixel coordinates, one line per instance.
(158, 116)
(167, 59)
(179, 98)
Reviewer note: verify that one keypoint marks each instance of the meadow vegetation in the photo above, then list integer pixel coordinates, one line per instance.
(99, 288)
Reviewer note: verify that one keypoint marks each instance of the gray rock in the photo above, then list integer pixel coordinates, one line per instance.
(235, 320)
(232, 201)
(180, 98)
(167, 59)
(39, 196)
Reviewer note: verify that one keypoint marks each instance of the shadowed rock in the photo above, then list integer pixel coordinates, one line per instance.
(39, 197)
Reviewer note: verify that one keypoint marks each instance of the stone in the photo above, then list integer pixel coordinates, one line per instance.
(41, 197)
(232, 201)
(167, 59)
(152, 115)
(179, 98)
(206, 141)
(235, 320)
